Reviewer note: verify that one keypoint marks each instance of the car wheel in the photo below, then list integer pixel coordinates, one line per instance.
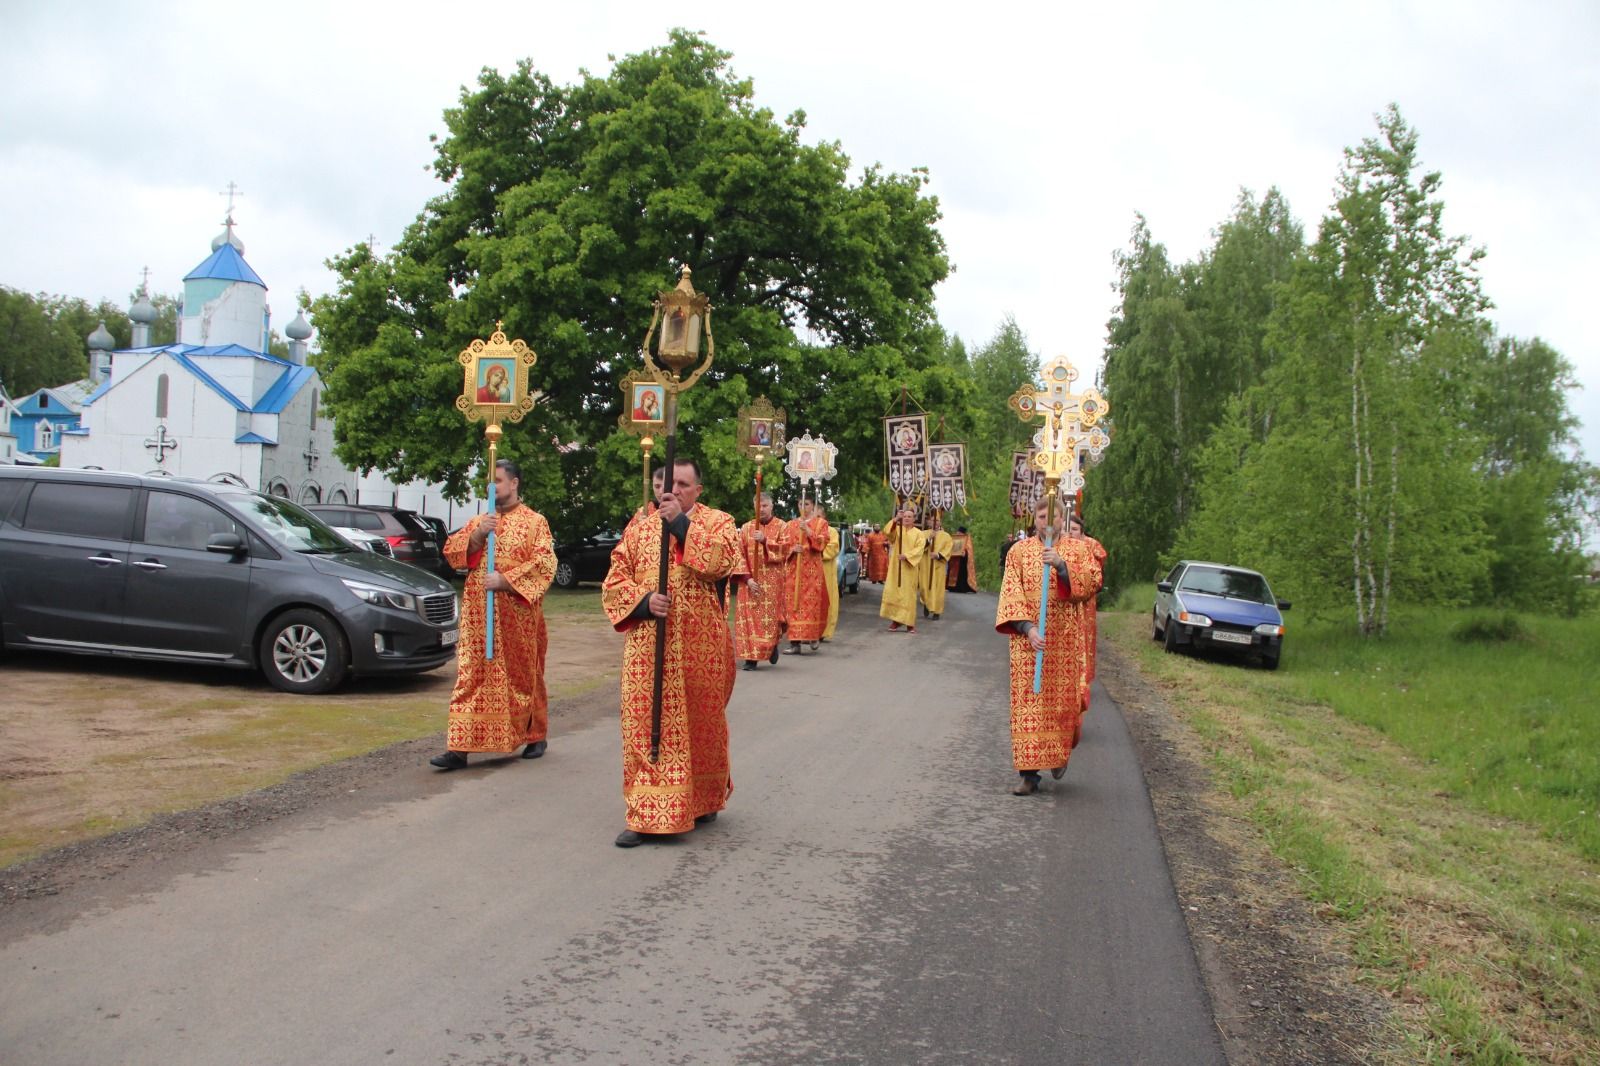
(1169, 636)
(566, 575)
(1155, 627)
(1269, 660)
(304, 652)
(855, 587)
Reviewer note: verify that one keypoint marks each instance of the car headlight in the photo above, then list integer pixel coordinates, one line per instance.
(381, 597)
(1189, 618)
(1267, 629)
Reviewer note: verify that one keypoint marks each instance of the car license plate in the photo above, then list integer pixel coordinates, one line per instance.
(1231, 638)
(449, 637)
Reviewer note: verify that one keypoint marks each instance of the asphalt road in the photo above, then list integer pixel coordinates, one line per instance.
(873, 894)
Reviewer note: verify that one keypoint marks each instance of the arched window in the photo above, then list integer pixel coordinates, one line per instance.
(316, 398)
(279, 488)
(338, 496)
(311, 493)
(47, 435)
(161, 396)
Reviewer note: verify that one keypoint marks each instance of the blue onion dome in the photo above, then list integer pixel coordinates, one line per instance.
(101, 339)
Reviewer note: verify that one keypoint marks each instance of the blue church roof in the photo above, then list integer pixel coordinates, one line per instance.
(276, 398)
(225, 264)
(283, 390)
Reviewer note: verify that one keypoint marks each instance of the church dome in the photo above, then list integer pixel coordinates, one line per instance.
(299, 329)
(101, 339)
(143, 311)
(227, 236)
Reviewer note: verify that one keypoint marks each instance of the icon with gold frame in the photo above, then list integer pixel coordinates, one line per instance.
(494, 385)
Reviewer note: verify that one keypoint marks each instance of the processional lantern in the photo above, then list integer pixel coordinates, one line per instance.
(683, 318)
(494, 390)
(1071, 419)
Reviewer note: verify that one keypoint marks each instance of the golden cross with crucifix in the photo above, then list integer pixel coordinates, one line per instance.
(1070, 422)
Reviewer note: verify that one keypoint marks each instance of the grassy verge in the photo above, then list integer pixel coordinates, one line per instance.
(1439, 800)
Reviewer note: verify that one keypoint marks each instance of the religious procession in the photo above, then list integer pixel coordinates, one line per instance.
(702, 598)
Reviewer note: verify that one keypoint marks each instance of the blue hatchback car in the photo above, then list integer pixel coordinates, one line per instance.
(1219, 607)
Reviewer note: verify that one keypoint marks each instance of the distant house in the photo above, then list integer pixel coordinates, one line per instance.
(40, 418)
(8, 439)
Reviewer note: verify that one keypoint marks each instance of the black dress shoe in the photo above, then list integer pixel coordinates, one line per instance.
(749, 664)
(706, 819)
(534, 750)
(450, 760)
(773, 658)
(1059, 772)
(630, 839)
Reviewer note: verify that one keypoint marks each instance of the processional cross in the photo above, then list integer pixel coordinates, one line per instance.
(1071, 421)
(161, 444)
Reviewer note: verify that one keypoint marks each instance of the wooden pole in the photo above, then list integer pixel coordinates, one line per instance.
(670, 461)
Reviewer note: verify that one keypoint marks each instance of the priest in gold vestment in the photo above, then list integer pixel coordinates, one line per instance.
(963, 563)
(1045, 724)
(830, 571)
(759, 616)
(690, 781)
(906, 544)
(500, 704)
(935, 564)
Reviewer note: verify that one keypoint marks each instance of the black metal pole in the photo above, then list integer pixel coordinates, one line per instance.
(661, 579)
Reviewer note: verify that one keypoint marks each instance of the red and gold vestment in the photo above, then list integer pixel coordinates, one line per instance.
(758, 619)
(691, 776)
(808, 603)
(500, 704)
(1044, 725)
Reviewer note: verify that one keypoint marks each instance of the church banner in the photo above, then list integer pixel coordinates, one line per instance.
(905, 446)
(947, 488)
(1027, 485)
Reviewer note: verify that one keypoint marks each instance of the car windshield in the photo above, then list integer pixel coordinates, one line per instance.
(1235, 584)
(286, 523)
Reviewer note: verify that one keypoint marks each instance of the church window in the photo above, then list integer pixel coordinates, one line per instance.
(161, 396)
(316, 398)
(311, 493)
(47, 436)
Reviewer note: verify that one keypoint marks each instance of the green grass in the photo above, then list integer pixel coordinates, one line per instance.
(1435, 793)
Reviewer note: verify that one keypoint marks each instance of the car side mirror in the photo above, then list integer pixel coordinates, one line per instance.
(1163, 586)
(1283, 605)
(225, 544)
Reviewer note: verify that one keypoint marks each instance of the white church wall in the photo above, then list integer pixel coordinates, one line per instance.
(235, 316)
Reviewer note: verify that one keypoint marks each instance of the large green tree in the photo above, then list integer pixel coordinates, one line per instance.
(566, 208)
(44, 339)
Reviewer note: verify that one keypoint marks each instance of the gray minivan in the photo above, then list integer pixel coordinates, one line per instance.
(163, 568)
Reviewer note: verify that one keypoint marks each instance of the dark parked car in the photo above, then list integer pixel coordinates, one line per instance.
(413, 540)
(586, 559)
(97, 563)
(1218, 607)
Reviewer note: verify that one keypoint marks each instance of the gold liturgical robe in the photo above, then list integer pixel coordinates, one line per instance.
(900, 583)
(935, 567)
(757, 619)
(1044, 725)
(830, 571)
(691, 777)
(500, 704)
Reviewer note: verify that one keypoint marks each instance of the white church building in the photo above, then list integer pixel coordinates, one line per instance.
(216, 405)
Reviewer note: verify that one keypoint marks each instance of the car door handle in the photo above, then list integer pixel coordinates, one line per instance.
(103, 558)
(150, 564)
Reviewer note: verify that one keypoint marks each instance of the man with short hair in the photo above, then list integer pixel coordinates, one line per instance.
(758, 617)
(500, 703)
(1045, 724)
(690, 781)
(906, 543)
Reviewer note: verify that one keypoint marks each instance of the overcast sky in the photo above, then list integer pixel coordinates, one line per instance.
(1044, 132)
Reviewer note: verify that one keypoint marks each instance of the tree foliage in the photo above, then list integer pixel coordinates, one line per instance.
(44, 339)
(566, 209)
